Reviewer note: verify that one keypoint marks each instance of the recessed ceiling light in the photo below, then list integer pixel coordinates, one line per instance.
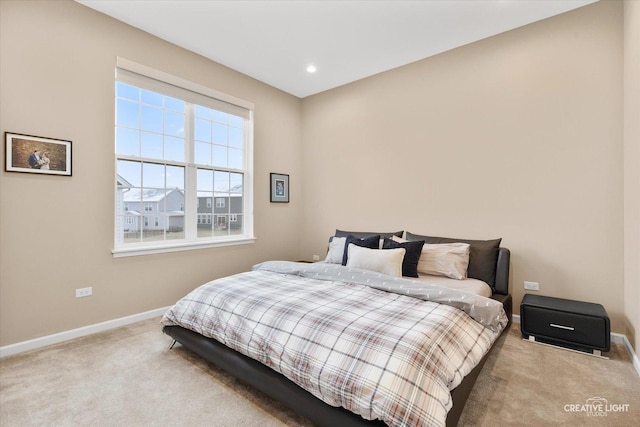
(311, 69)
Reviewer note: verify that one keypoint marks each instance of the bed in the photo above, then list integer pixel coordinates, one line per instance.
(292, 330)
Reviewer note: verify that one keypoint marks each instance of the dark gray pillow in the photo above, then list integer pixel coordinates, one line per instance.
(372, 242)
(411, 256)
(483, 255)
(365, 234)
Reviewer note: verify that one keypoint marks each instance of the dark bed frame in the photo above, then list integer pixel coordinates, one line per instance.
(301, 401)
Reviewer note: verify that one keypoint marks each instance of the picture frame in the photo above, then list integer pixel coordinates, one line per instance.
(279, 188)
(37, 154)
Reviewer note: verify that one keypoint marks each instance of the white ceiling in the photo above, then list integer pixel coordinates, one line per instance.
(274, 41)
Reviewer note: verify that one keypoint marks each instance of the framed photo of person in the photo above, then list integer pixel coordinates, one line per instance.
(36, 154)
(279, 188)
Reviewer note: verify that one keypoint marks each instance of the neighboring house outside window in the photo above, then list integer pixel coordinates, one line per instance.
(174, 147)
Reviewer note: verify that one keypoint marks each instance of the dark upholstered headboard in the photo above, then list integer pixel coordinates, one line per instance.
(502, 272)
(501, 285)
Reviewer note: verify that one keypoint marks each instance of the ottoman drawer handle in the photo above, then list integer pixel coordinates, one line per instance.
(569, 328)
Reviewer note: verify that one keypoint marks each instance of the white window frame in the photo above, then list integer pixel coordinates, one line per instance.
(125, 67)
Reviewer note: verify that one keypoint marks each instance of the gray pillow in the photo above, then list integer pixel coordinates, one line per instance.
(483, 255)
(365, 234)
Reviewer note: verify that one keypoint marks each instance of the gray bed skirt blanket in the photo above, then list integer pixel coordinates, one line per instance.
(383, 348)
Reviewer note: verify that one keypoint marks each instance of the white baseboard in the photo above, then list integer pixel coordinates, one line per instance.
(615, 338)
(23, 346)
(625, 341)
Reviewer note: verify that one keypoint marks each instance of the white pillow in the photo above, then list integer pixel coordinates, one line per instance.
(445, 259)
(385, 261)
(336, 250)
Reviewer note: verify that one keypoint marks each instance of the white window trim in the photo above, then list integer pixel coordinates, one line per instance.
(156, 247)
(134, 67)
(181, 246)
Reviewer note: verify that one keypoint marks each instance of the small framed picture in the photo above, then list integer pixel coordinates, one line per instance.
(279, 188)
(36, 154)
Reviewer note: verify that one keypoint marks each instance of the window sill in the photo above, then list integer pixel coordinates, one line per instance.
(138, 250)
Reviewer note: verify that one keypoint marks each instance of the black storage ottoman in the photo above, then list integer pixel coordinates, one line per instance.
(577, 325)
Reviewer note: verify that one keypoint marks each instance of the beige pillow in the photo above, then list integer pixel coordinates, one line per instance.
(445, 259)
(385, 261)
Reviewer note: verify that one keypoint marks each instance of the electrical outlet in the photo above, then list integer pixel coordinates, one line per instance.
(532, 286)
(84, 292)
(316, 257)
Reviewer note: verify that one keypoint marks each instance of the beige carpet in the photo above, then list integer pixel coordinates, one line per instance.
(128, 377)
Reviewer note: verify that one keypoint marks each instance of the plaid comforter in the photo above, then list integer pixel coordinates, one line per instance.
(379, 354)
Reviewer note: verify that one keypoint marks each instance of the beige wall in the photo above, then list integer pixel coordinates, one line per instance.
(56, 233)
(518, 136)
(632, 169)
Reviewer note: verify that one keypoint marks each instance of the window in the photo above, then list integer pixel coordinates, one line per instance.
(177, 143)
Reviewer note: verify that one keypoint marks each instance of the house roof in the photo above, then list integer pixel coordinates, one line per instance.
(146, 194)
